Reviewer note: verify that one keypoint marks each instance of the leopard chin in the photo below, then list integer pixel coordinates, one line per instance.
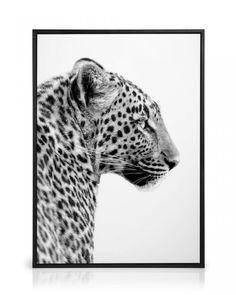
(151, 185)
(142, 179)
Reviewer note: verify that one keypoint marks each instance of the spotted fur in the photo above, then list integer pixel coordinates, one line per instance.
(91, 122)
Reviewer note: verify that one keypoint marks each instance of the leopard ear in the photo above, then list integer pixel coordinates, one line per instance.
(95, 90)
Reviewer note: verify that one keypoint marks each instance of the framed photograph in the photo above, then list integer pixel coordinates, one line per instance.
(118, 148)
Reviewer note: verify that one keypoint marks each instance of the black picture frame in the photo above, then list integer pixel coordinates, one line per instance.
(200, 264)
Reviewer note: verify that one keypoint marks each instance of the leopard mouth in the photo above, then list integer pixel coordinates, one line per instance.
(140, 177)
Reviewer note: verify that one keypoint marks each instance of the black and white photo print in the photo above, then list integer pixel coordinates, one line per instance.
(118, 148)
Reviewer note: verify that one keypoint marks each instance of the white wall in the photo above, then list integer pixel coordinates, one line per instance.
(17, 20)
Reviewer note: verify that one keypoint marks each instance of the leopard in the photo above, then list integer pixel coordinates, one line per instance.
(91, 121)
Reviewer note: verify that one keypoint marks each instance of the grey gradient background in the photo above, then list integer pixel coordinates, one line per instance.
(161, 225)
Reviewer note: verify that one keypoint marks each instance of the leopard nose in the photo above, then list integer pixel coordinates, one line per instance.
(171, 164)
(172, 161)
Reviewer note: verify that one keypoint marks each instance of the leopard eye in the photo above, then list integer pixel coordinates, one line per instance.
(141, 121)
(143, 124)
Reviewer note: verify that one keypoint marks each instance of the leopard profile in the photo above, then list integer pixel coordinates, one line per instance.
(90, 122)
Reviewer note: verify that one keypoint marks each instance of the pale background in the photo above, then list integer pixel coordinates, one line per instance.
(161, 225)
(17, 20)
